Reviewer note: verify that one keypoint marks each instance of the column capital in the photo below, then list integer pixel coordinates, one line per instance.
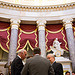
(67, 23)
(14, 23)
(41, 24)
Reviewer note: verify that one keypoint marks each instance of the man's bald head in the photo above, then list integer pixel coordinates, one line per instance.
(51, 58)
(22, 53)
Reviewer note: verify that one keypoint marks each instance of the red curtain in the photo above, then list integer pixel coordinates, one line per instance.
(4, 35)
(27, 35)
(56, 31)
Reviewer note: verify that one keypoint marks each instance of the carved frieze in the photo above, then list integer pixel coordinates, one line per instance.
(37, 8)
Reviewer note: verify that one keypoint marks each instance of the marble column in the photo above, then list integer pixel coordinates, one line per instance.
(13, 39)
(70, 39)
(41, 32)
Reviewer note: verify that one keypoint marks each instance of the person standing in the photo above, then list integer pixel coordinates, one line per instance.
(37, 65)
(58, 69)
(17, 64)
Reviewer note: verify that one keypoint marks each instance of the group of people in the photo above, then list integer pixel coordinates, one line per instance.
(36, 65)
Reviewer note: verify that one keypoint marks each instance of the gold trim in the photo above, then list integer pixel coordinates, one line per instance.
(55, 31)
(36, 39)
(46, 41)
(5, 29)
(49, 50)
(29, 45)
(58, 52)
(27, 32)
(27, 40)
(4, 48)
(19, 40)
(34, 8)
(26, 44)
(64, 40)
(14, 24)
(61, 30)
(8, 39)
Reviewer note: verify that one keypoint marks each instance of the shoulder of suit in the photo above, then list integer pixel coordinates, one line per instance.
(58, 63)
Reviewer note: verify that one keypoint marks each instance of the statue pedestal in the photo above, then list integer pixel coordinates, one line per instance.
(56, 51)
(65, 62)
(56, 48)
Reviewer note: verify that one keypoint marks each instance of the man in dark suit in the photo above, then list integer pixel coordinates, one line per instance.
(17, 63)
(58, 69)
(37, 65)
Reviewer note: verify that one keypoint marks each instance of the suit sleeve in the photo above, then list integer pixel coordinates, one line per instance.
(51, 70)
(59, 70)
(25, 69)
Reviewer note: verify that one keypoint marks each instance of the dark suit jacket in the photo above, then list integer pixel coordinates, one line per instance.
(16, 66)
(38, 65)
(58, 69)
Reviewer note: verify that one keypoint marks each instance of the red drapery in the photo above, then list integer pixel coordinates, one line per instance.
(4, 35)
(56, 31)
(27, 35)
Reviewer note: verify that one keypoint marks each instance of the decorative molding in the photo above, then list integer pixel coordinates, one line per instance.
(41, 24)
(37, 8)
(15, 23)
(14, 27)
(67, 23)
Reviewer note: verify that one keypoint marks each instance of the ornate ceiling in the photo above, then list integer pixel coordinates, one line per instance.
(32, 10)
(39, 2)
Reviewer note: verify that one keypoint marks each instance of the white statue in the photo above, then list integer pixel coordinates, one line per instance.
(56, 48)
(56, 43)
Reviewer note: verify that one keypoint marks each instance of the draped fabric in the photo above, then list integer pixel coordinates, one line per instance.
(56, 31)
(4, 35)
(27, 35)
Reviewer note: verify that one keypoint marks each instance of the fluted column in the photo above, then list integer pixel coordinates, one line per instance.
(41, 31)
(70, 39)
(13, 39)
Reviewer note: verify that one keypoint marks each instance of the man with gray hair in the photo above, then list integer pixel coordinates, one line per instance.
(58, 69)
(37, 65)
(17, 63)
